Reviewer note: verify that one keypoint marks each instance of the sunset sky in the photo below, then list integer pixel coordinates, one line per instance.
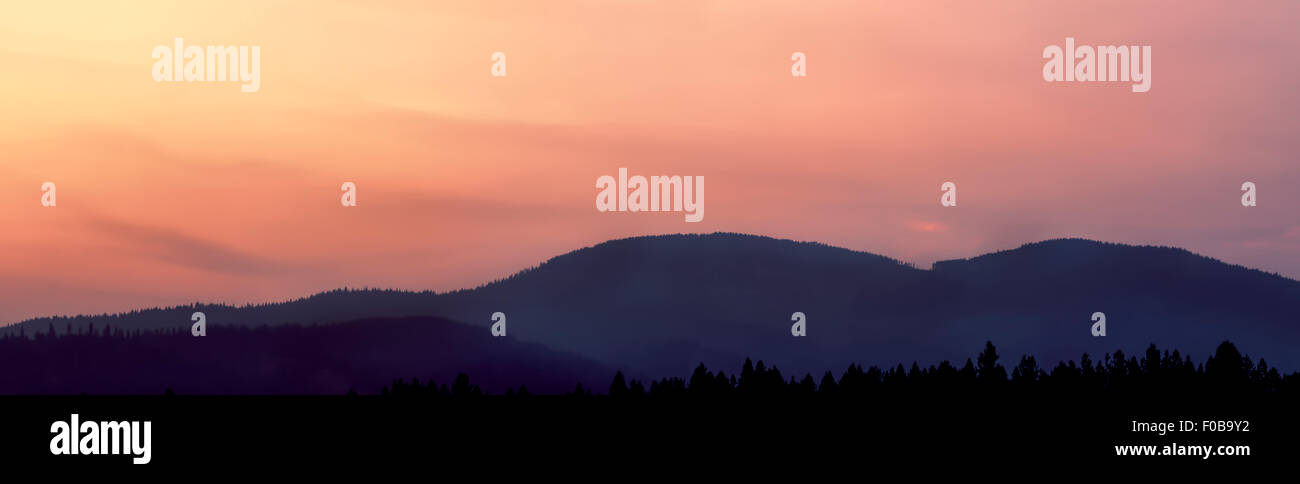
(171, 193)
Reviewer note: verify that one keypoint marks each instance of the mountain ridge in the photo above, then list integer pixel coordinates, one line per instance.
(934, 267)
(661, 304)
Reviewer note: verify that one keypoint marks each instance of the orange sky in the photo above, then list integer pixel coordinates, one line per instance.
(170, 193)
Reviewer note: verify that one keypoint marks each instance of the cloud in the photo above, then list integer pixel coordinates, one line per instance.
(177, 248)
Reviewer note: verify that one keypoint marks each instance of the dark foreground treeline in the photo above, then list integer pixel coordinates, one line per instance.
(329, 359)
(363, 356)
(1226, 373)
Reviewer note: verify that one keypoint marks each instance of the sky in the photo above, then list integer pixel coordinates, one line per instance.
(170, 193)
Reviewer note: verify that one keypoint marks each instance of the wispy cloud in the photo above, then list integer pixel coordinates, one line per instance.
(181, 249)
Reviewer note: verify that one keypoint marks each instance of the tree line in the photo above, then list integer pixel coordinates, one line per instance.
(1226, 372)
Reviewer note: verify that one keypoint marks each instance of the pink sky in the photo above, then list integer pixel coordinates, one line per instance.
(171, 193)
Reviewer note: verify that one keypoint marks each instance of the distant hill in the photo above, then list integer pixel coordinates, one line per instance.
(658, 305)
(362, 355)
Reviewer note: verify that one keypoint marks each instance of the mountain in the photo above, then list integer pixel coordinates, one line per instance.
(659, 305)
(362, 355)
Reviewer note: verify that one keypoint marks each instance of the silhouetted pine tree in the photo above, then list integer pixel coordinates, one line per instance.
(619, 387)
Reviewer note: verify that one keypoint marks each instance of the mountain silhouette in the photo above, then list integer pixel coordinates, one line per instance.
(660, 305)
